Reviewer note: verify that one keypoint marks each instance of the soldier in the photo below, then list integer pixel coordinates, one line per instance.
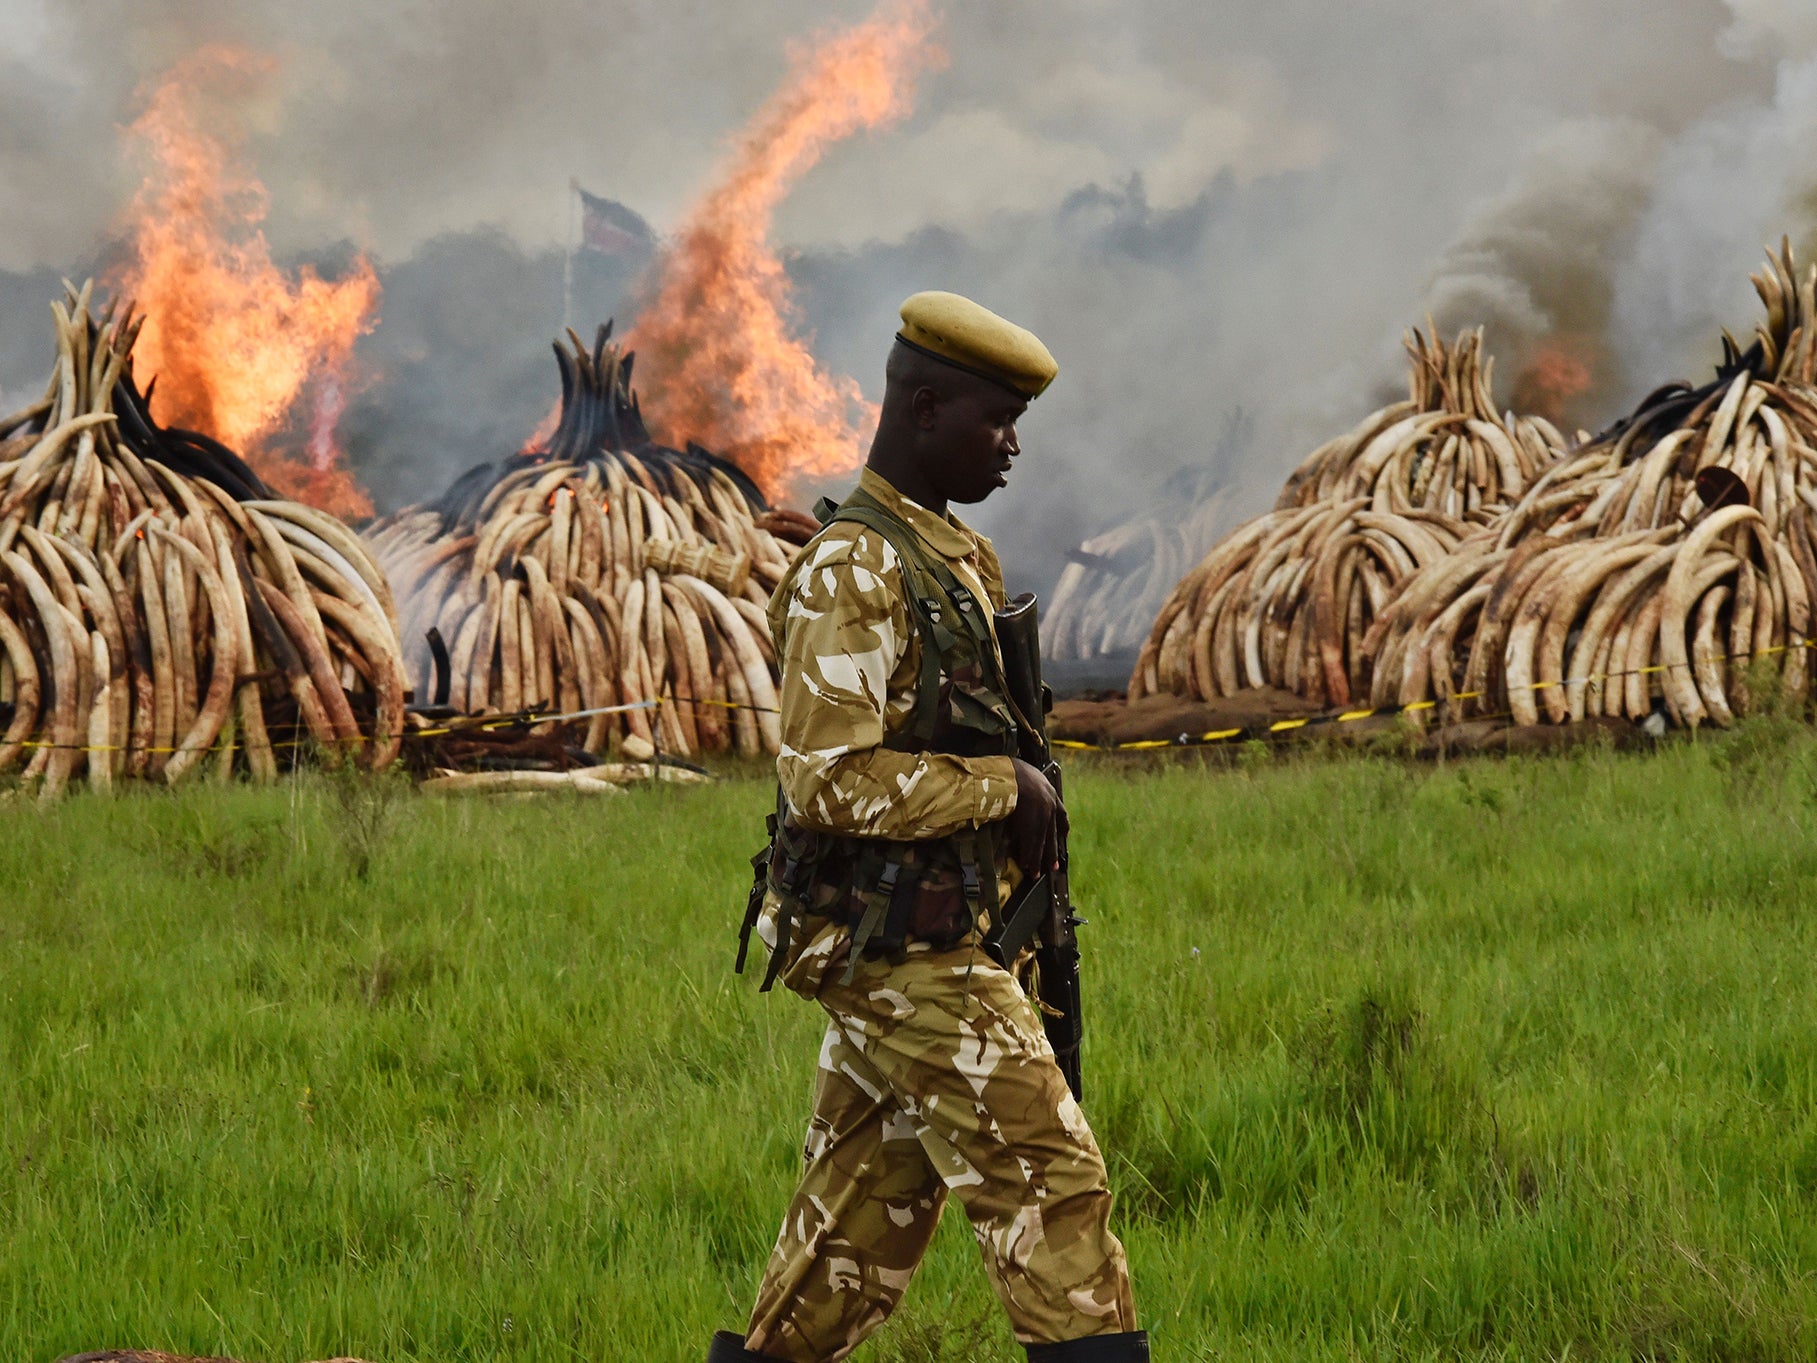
(903, 820)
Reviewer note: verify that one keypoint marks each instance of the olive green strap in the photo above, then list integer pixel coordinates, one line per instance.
(945, 613)
(876, 905)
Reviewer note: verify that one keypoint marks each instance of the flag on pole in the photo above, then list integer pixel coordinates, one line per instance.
(609, 228)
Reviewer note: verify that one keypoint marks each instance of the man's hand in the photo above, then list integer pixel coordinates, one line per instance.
(1036, 823)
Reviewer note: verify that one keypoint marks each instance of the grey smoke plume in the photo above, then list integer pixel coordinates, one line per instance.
(1201, 208)
(1778, 29)
(461, 370)
(1736, 181)
(1535, 267)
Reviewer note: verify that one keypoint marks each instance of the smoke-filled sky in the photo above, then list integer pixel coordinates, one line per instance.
(1202, 208)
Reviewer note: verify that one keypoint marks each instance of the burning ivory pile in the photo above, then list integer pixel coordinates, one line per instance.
(598, 575)
(1653, 569)
(1288, 599)
(1656, 566)
(158, 607)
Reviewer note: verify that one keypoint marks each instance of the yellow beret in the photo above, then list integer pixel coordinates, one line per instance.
(975, 339)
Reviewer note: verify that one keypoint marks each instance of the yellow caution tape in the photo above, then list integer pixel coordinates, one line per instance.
(1261, 730)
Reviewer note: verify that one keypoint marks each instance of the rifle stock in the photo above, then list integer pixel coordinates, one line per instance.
(1041, 910)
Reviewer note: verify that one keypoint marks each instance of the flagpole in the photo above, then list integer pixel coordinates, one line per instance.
(568, 259)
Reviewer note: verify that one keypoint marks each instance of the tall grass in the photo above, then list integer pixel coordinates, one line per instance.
(1489, 1060)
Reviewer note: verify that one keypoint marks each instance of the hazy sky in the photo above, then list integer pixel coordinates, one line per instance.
(1201, 207)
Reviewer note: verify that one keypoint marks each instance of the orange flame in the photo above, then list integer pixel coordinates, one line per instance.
(1561, 369)
(731, 372)
(234, 344)
(545, 430)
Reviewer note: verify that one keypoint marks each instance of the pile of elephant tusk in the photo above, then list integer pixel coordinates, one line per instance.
(600, 573)
(1288, 599)
(1667, 566)
(1444, 452)
(1114, 582)
(159, 609)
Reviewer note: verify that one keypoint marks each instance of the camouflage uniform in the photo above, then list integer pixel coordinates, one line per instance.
(935, 1073)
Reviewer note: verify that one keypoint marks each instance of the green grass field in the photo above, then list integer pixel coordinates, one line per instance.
(1490, 1060)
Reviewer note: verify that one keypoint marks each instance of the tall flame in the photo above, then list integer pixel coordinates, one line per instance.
(236, 347)
(729, 368)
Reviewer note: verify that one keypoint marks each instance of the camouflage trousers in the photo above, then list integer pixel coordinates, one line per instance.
(932, 1081)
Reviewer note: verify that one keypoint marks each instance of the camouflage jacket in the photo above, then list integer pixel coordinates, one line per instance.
(850, 661)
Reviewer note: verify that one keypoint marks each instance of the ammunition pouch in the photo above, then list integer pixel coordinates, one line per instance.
(888, 894)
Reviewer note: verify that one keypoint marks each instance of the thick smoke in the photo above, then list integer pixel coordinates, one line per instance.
(1534, 268)
(1778, 29)
(1203, 209)
(1740, 178)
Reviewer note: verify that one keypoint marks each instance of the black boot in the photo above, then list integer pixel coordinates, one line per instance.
(729, 1348)
(1129, 1348)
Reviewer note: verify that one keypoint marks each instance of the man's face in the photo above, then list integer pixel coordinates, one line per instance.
(968, 439)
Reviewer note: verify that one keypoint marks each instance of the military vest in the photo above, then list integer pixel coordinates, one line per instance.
(891, 892)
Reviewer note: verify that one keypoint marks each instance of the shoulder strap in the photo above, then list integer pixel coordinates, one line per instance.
(955, 628)
(926, 571)
(924, 590)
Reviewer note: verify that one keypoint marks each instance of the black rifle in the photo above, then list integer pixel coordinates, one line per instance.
(1041, 910)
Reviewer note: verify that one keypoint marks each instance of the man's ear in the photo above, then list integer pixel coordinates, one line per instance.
(925, 404)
